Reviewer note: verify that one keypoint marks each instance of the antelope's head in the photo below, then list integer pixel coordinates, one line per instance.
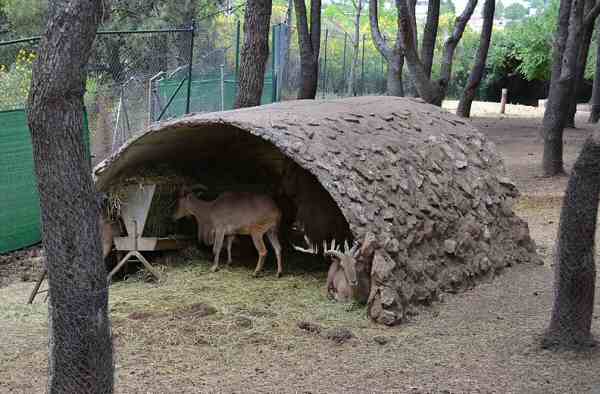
(346, 259)
(185, 201)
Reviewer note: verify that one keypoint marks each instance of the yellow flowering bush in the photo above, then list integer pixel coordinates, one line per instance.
(15, 80)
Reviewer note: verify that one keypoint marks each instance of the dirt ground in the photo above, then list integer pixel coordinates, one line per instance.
(196, 331)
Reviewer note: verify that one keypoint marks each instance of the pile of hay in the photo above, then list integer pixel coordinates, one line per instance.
(168, 182)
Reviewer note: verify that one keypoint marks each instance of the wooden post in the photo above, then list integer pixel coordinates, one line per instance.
(503, 100)
(36, 288)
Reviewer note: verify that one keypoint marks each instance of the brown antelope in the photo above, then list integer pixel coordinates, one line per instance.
(349, 275)
(342, 278)
(231, 214)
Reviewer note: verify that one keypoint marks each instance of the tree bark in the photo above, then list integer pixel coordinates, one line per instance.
(392, 55)
(394, 77)
(432, 92)
(575, 270)
(426, 89)
(309, 41)
(380, 42)
(286, 45)
(80, 359)
(464, 105)
(582, 57)
(570, 20)
(450, 46)
(255, 53)
(595, 103)
(355, 49)
(430, 35)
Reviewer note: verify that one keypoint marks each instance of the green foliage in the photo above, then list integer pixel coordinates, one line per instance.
(537, 5)
(532, 47)
(523, 47)
(590, 67)
(25, 17)
(15, 80)
(499, 12)
(447, 7)
(515, 12)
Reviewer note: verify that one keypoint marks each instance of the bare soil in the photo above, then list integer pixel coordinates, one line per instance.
(197, 331)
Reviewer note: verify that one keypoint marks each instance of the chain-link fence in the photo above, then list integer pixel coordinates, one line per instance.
(138, 77)
(349, 65)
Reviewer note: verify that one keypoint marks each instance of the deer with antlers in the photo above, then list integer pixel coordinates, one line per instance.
(349, 275)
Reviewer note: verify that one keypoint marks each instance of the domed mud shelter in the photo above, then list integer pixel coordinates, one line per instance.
(429, 186)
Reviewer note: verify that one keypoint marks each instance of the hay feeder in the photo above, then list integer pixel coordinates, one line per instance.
(140, 204)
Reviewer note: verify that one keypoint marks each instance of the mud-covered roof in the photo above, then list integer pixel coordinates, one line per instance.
(355, 147)
(427, 184)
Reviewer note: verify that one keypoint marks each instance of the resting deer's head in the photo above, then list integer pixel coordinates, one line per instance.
(346, 259)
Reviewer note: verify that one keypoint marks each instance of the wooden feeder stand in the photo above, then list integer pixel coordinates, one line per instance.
(134, 212)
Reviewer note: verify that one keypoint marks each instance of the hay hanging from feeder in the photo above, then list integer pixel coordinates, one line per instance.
(168, 182)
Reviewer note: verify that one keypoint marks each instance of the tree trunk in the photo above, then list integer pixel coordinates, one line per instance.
(595, 103)
(582, 56)
(255, 53)
(563, 71)
(353, 66)
(309, 41)
(355, 50)
(393, 56)
(286, 45)
(433, 93)
(464, 105)
(80, 359)
(394, 77)
(426, 89)
(413, 19)
(450, 46)
(575, 270)
(430, 35)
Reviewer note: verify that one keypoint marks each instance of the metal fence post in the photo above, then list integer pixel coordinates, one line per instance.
(362, 73)
(191, 61)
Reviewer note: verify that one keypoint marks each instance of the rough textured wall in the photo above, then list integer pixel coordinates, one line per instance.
(429, 186)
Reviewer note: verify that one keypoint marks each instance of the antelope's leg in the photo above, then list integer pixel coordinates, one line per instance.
(272, 235)
(229, 242)
(220, 234)
(259, 244)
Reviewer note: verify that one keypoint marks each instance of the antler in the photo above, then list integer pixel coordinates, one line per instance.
(354, 250)
(199, 186)
(311, 248)
(330, 250)
(334, 250)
